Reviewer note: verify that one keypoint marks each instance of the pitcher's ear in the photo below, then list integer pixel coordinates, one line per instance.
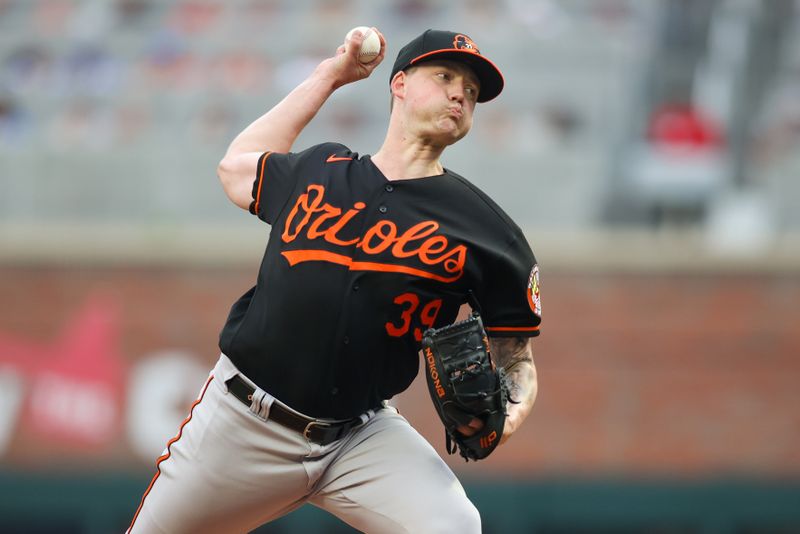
(398, 84)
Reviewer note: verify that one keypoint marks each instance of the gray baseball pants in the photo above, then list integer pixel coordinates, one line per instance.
(230, 469)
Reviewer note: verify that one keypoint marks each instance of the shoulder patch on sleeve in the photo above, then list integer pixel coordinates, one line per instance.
(534, 300)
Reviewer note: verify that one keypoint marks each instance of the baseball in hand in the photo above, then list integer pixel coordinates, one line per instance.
(370, 46)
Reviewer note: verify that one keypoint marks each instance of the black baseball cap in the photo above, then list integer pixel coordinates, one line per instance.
(438, 44)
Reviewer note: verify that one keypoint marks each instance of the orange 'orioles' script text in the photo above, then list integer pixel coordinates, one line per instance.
(320, 220)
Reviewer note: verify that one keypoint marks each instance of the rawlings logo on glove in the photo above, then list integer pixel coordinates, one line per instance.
(465, 384)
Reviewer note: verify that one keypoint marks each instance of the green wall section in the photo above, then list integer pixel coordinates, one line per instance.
(95, 504)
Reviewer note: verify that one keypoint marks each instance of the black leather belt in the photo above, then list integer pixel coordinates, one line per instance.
(322, 432)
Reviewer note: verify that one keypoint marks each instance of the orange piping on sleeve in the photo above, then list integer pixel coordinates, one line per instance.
(261, 179)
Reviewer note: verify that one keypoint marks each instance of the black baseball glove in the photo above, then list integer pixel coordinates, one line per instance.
(464, 384)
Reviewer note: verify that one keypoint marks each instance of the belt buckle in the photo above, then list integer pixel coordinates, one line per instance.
(310, 426)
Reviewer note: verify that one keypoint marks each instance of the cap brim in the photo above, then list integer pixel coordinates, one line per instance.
(491, 78)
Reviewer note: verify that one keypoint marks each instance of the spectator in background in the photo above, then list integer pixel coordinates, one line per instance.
(27, 69)
(195, 16)
(169, 65)
(133, 15)
(683, 126)
(13, 122)
(90, 70)
(51, 17)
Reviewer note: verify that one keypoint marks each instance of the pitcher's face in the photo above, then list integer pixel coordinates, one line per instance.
(440, 100)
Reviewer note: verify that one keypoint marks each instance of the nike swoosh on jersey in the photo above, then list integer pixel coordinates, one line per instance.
(333, 157)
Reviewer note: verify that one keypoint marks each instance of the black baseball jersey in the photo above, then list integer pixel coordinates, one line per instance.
(358, 266)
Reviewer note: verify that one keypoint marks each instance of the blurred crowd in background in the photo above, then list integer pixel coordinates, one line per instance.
(668, 113)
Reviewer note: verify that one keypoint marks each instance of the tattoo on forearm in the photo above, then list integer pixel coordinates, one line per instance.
(514, 391)
(516, 357)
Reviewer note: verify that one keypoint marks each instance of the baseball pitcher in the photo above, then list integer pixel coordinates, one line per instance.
(369, 259)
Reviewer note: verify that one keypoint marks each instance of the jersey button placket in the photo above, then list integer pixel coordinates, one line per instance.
(388, 188)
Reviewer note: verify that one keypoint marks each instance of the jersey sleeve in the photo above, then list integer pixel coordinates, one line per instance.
(278, 174)
(509, 300)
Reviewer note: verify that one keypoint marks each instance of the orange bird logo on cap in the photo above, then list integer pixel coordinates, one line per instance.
(462, 42)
